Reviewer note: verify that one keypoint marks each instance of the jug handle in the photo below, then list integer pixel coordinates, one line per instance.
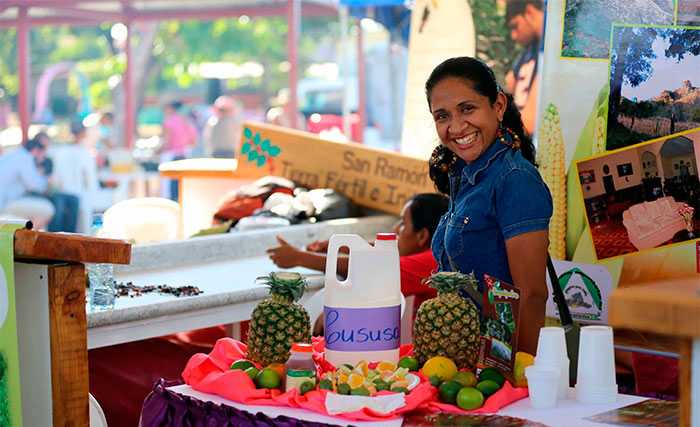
(352, 241)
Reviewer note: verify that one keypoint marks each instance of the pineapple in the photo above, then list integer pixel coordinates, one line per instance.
(449, 324)
(277, 322)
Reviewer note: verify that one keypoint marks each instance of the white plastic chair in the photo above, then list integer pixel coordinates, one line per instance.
(97, 416)
(143, 220)
(314, 306)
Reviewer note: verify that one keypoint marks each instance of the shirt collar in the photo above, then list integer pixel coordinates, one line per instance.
(471, 170)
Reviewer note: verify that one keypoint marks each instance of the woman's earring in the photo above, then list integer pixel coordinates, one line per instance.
(443, 158)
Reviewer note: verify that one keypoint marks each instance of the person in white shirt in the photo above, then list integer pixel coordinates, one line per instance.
(75, 172)
(20, 176)
(222, 132)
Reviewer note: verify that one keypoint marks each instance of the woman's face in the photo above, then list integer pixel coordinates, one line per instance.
(465, 120)
(406, 236)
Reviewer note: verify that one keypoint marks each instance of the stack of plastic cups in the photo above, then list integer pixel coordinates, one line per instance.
(542, 386)
(551, 352)
(596, 366)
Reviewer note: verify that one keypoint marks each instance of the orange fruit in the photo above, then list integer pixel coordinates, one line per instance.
(277, 367)
(343, 379)
(361, 368)
(355, 380)
(386, 366)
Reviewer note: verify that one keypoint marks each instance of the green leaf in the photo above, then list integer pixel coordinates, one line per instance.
(252, 156)
(246, 146)
(256, 140)
(247, 133)
(265, 145)
(261, 161)
(274, 150)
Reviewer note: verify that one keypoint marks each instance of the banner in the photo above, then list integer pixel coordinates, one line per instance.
(10, 403)
(374, 178)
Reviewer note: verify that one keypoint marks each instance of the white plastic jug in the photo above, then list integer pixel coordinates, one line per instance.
(362, 314)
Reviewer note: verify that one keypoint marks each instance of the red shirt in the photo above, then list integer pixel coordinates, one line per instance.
(415, 268)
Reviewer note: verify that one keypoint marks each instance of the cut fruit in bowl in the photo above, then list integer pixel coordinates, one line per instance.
(413, 380)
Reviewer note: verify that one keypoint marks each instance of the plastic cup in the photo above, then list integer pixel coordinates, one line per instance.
(542, 385)
(596, 366)
(551, 351)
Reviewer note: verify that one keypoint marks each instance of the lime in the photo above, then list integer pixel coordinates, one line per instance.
(440, 366)
(466, 378)
(349, 366)
(306, 387)
(252, 372)
(343, 388)
(268, 378)
(448, 391)
(469, 399)
(492, 374)
(241, 364)
(409, 362)
(435, 381)
(381, 386)
(378, 380)
(403, 390)
(359, 391)
(488, 387)
(325, 384)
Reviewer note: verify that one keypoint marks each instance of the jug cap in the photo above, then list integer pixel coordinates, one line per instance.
(302, 347)
(386, 236)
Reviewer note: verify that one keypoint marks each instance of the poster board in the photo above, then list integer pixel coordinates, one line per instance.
(373, 178)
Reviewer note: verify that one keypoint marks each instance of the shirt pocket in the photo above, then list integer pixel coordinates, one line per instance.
(454, 239)
(478, 236)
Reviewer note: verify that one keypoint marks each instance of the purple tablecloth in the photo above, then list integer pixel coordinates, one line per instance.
(166, 408)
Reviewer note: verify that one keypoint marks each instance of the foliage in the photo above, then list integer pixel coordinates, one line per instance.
(493, 43)
(4, 397)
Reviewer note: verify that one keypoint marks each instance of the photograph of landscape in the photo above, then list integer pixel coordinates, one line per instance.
(653, 76)
(587, 23)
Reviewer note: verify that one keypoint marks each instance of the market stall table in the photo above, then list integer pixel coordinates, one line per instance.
(568, 411)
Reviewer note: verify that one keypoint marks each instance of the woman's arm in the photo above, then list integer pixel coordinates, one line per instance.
(527, 258)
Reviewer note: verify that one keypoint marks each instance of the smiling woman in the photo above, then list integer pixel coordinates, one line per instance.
(499, 206)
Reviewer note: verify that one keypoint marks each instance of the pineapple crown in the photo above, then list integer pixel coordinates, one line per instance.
(451, 281)
(285, 284)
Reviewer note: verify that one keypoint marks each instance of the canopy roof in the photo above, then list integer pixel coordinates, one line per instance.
(76, 12)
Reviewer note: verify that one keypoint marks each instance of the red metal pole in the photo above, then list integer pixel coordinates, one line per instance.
(23, 69)
(129, 122)
(361, 98)
(294, 20)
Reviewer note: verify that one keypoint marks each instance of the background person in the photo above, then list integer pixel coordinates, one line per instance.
(179, 138)
(414, 231)
(498, 219)
(222, 132)
(21, 176)
(525, 18)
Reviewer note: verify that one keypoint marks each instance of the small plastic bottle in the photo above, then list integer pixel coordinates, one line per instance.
(101, 275)
(300, 367)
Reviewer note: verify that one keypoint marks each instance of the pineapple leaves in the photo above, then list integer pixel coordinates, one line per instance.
(285, 284)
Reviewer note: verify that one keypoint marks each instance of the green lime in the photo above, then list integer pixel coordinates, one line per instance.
(488, 387)
(492, 374)
(343, 388)
(306, 387)
(241, 364)
(378, 380)
(469, 399)
(325, 384)
(466, 378)
(349, 366)
(435, 381)
(381, 386)
(268, 378)
(252, 372)
(359, 391)
(409, 362)
(403, 390)
(448, 391)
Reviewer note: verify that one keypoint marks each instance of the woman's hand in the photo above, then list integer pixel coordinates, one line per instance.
(284, 256)
(318, 246)
(527, 258)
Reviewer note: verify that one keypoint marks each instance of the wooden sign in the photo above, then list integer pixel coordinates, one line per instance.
(374, 178)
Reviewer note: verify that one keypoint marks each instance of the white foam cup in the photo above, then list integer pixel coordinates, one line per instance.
(596, 366)
(542, 385)
(551, 351)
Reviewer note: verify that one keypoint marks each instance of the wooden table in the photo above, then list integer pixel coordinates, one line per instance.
(669, 310)
(51, 322)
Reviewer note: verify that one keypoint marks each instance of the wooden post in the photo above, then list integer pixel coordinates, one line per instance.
(64, 282)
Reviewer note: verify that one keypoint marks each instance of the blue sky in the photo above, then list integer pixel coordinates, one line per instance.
(668, 74)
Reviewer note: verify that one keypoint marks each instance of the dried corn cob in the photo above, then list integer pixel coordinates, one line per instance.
(550, 157)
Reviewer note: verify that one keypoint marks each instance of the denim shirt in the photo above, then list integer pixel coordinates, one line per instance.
(495, 197)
